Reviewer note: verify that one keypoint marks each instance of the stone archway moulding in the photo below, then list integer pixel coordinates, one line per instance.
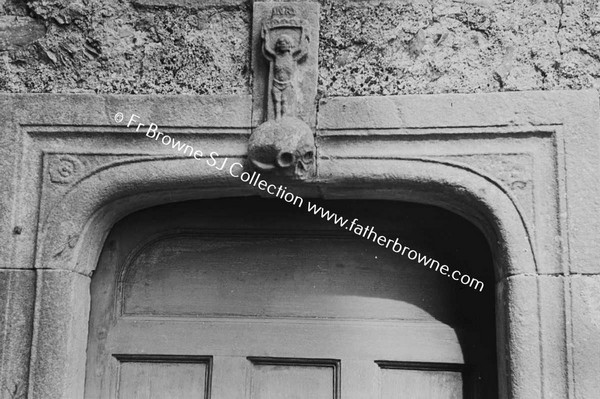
(76, 226)
(519, 165)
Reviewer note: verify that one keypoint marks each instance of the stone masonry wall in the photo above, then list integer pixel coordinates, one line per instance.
(366, 47)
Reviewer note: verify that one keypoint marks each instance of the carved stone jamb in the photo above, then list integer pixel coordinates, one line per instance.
(285, 37)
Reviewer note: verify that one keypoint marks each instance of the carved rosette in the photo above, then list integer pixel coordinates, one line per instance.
(64, 169)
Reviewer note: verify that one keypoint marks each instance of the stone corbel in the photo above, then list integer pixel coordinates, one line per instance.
(285, 85)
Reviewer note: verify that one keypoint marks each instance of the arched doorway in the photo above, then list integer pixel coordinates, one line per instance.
(252, 298)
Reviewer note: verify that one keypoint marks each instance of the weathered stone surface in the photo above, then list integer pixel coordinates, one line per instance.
(17, 295)
(81, 117)
(396, 112)
(396, 127)
(522, 365)
(585, 292)
(366, 47)
(554, 335)
(399, 47)
(9, 142)
(582, 163)
(58, 353)
(115, 47)
(19, 31)
(189, 3)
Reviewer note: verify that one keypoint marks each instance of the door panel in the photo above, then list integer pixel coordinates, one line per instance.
(421, 380)
(271, 276)
(419, 384)
(294, 378)
(141, 378)
(252, 299)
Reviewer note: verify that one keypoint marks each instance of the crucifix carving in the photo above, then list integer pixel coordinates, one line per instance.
(284, 53)
(285, 76)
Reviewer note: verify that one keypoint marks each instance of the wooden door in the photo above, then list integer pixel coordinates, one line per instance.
(254, 299)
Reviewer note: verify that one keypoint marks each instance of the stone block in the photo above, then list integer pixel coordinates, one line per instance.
(9, 144)
(17, 295)
(522, 368)
(450, 110)
(554, 337)
(585, 305)
(581, 179)
(58, 354)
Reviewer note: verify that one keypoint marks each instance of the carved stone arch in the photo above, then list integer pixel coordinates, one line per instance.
(476, 196)
(540, 148)
(95, 203)
(130, 185)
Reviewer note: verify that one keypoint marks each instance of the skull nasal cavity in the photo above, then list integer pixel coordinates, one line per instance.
(286, 159)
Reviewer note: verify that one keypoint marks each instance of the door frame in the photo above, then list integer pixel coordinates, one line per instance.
(94, 171)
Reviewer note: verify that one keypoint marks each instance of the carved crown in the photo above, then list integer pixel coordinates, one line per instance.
(284, 17)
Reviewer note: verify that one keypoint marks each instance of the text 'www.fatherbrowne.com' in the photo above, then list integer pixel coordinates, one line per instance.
(236, 170)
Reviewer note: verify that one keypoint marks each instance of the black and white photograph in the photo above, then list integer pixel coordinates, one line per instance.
(309, 199)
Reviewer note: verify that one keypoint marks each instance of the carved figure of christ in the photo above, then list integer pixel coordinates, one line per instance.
(284, 57)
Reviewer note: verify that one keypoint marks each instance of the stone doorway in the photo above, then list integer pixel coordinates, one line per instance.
(519, 166)
(253, 298)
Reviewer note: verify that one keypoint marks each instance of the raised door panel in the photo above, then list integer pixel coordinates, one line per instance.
(273, 378)
(163, 378)
(319, 277)
(423, 381)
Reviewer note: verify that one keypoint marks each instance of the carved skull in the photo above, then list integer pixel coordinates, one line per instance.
(285, 146)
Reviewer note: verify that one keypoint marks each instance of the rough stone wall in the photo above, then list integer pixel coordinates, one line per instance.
(113, 46)
(366, 47)
(450, 46)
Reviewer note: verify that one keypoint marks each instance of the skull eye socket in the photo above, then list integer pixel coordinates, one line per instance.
(308, 156)
(285, 159)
